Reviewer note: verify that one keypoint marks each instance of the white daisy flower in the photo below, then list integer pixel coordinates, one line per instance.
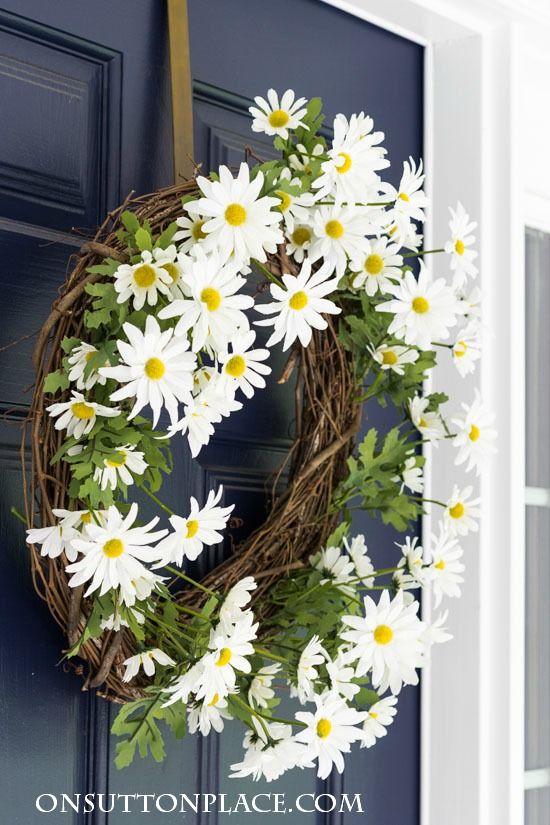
(228, 656)
(462, 512)
(307, 672)
(113, 554)
(156, 370)
(205, 716)
(191, 534)
(240, 224)
(424, 309)
(353, 161)
(446, 567)
(58, 538)
(145, 660)
(357, 551)
(215, 401)
(299, 306)
(143, 586)
(214, 310)
(276, 117)
(462, 258)
(260, 691)
(411, 572)
(172, 262)
(393, 357)
(243, 365)
(78, 360)
(412, 476)
(330, 732)
(299, 241)
(270, 760)
(378, 266)
(429, 424)
(294, 205)
(236, 599)
(78, 415)
(409, 199)
(341, 674)
(190, 233)
(116, 622)
(181, 688)
(387, 641)
(467, 348)
(142, 282)
(127, 462)
(436, 633)
(339, 235)
(380, 717)
(302, 161)
(475, 436)
(337, 566)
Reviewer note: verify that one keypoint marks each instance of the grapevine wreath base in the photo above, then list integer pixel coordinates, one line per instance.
(327, 418)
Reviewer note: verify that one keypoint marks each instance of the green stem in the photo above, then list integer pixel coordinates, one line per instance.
(423, 252)
(269, 655)
(373, 389)
(157, 501)
(269, 275)
(189, 580)
(15, 512)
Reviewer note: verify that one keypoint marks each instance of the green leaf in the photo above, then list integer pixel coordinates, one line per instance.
(165, 239)
(137, 723)
(335, 538)
(130, 221)
(56, 381)
(143, 240)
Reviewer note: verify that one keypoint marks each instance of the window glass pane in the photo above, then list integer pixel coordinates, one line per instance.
(537, 807)
(537, 640)
(537, 368)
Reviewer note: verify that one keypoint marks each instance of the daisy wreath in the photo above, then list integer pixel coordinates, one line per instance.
(157, 323)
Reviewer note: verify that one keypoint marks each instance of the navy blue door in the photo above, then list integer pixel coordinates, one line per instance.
(85, 118)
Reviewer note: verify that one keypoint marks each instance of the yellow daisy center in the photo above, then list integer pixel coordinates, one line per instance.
(212, 298)
(393, 230)
(457, 511)
(374, 264)
(373, 714)
(88, 357)
(224, 658)
(121, 461)
(197, 232)
(346, 165)
(286, 200)
(235, 214)
(113, 548)
(82, 410)
(404, 197)
(420, 305)
(215, 700)
(298, 301)
(422, 422)
(440, 565)
(324, 727)
(236, 366)
(145, 276)
(474, 433)
(460, 349)
(278, 118)
(192, 528)
(334, 229)
(86, 518)
(154, 369)
(389, 357)
(383, 634)
(172, 270)
(301, 235)
(459, 247)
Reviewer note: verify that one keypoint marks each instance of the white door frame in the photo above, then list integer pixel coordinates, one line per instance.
(472, 694)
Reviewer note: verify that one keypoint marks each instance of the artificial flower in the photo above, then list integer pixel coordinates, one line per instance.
(190, 233)
(336, 566)
(205, 716)
(260, 691)
(243, 365)
(380, 717)
(79, 415)
(412, 475)
(270, 759)
(125, 463)
(394, 357)
(467, 348)
(341, 675)
(386, 641)
(476, 435)
(214, 310)
(142, 282)
(339, 236)
(307, 672)
(458, 247)
(58, 538)
(191, 534)
(357, 551)
(299, 307)
(409, 200)
(113, 555)
(378, 267)
(156, 369)
(145, 660)
(240, 224)
(446, 568)
(236, 599)
(228, 654)
(78, 360)
(424, 309)
(299, 241)
(428, 422)
(411, 571)
(330, 732)
(461, 512)
(276, 117)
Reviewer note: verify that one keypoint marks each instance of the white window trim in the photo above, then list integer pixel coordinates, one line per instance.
(472, 694)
